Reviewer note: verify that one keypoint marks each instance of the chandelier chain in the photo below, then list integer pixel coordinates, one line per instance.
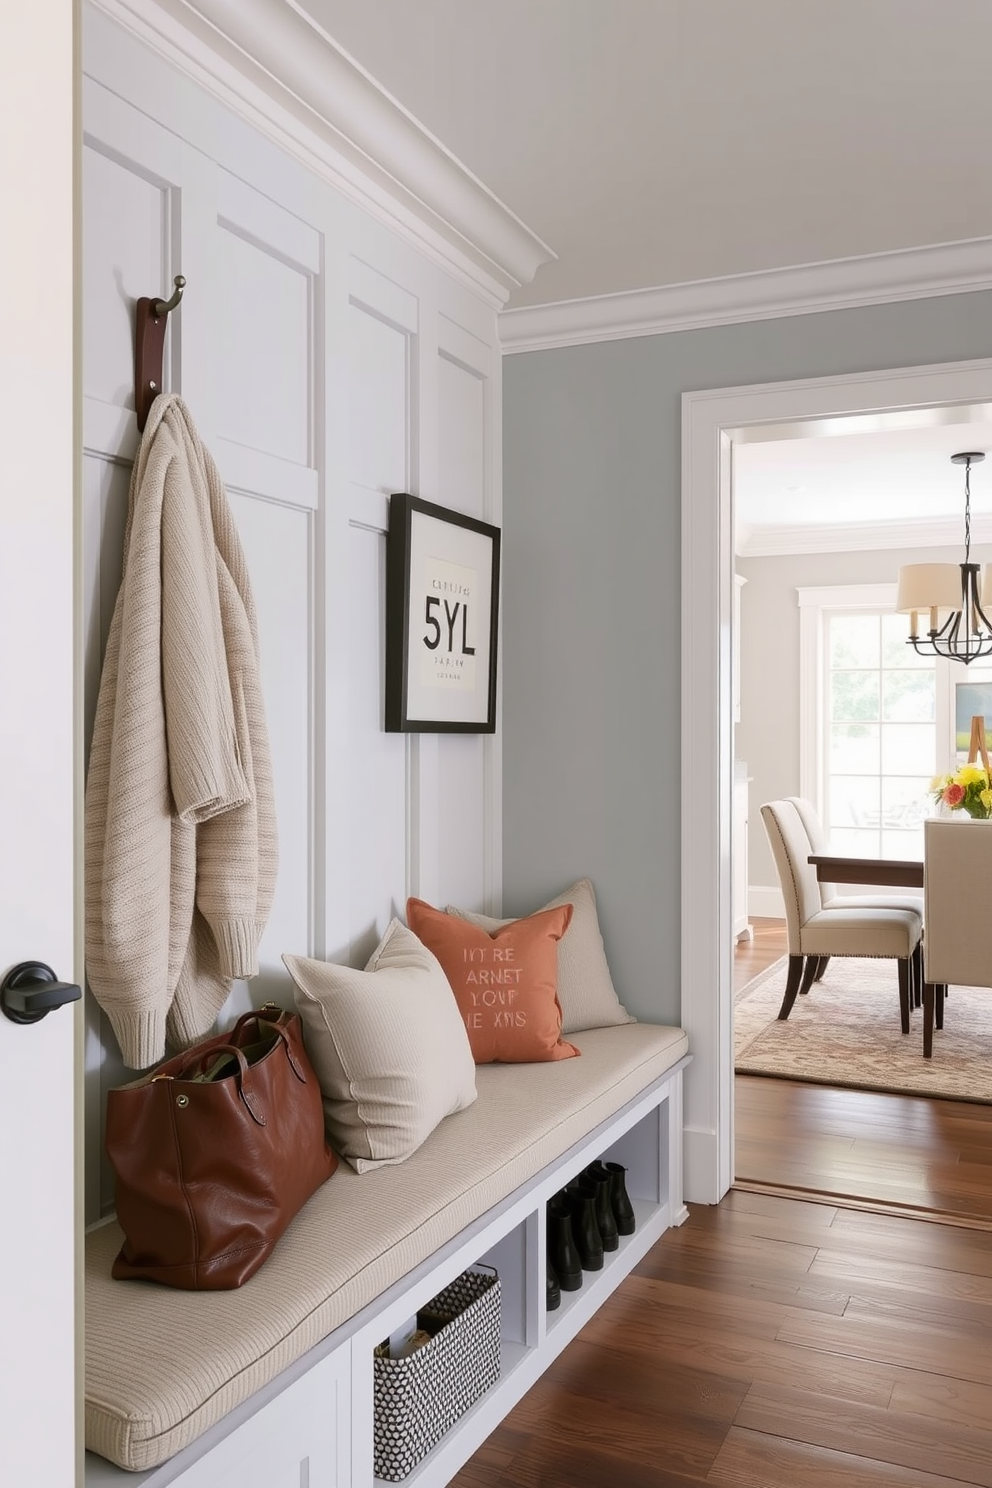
(967, 511)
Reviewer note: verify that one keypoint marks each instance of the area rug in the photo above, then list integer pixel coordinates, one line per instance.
(846, 1032)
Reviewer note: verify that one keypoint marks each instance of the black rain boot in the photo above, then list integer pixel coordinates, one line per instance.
(623, 1209)
(582, 1201)
(562, 1251)
(605, 1218)
(552, 1296)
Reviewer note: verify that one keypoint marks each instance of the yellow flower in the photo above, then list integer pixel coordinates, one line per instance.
(985, 797)
(971, 775)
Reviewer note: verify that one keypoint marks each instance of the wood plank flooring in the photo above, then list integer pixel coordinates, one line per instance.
(869, 1147)
(775, 1341)
(902, 1152)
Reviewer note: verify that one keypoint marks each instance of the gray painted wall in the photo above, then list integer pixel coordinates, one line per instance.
(592, 779)
(768, 734)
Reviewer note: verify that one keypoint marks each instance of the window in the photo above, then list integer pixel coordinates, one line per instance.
(879, 713)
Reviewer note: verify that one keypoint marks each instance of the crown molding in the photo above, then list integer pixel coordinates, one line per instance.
(274, 66)
(840, 284)
(851, 537)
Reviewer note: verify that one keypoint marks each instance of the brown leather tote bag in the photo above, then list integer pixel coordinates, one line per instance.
(214, 1152)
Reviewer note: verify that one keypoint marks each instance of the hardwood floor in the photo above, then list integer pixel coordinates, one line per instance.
(776, 1341)
(904, 1153)
(854, 1146)
(765, 946)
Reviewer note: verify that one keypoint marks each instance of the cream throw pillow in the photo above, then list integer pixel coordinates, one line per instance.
(585, 987)
(389, 1047)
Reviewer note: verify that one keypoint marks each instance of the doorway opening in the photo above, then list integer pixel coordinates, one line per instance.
(717, 424)
(826, 522)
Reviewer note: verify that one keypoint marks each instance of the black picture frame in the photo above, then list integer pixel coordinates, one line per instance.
(442, 612)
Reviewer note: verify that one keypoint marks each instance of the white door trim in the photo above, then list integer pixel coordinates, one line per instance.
(40, 753)
(710, 419)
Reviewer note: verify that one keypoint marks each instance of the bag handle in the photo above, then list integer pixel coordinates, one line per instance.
(977, 744)
(198, 1057)
(269, 1016)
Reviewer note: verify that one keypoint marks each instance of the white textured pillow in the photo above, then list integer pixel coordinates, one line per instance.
(389, 1047)
(585, 988)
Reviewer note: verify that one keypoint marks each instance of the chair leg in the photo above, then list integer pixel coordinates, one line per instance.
(809, 974)
(905, 978)
(918, 974)
(939, 1000)
(821, 966)
(792, 985)
(928, 1001)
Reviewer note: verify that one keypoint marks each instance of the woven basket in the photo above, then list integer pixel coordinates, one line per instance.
(418, 1399)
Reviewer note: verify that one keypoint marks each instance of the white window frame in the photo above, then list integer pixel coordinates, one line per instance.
(815, 605)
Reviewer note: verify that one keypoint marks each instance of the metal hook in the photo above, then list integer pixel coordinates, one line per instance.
(151, 318)
(162, 307)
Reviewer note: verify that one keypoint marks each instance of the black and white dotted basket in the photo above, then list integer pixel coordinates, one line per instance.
(419, 1398)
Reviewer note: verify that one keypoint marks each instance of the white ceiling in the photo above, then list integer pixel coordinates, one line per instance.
(813, 488)
(654, 142)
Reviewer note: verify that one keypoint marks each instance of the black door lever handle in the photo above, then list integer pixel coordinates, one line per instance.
(31, 989)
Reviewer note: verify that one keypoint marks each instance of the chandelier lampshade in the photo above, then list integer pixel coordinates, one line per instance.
(949, 598)
(927, 587)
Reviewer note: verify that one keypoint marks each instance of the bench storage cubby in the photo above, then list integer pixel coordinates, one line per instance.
(419, 1397)
(273, 1384)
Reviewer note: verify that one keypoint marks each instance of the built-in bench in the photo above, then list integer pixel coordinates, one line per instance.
(273, 1382)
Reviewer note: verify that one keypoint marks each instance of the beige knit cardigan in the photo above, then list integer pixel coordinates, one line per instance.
(180, 856)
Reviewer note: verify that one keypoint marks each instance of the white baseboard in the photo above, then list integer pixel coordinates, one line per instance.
(765, 903)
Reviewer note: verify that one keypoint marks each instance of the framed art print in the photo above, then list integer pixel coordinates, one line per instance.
(972, 699)
(442, 602)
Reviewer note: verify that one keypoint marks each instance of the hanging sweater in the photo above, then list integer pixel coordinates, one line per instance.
(180, 856)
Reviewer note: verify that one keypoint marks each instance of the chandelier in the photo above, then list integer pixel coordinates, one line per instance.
(950, 594)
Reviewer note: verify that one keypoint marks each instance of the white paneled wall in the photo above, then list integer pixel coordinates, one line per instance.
(327, 364)
(279, 549)
(464, 419)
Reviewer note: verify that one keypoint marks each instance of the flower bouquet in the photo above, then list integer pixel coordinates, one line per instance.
(968, 789)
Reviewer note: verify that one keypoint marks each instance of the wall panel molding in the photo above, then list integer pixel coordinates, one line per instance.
(396, 363)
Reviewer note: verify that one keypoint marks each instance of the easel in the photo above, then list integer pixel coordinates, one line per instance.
(977, 747)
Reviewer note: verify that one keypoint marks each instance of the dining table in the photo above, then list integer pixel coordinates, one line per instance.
(902, 873)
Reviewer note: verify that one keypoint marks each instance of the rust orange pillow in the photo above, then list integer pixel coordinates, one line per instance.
(505, 982)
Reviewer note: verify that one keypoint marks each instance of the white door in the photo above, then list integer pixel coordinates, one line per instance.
(37, 754)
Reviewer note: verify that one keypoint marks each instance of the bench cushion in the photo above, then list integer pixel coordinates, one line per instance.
(162, 1366)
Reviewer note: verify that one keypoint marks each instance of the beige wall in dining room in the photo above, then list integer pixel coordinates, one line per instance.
(767, 737)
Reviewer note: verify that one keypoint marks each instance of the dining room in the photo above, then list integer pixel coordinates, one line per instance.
(877, 737)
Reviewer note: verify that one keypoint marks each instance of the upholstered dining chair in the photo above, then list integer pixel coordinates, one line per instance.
(957, 882)
(815, 932)
(819, 843)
